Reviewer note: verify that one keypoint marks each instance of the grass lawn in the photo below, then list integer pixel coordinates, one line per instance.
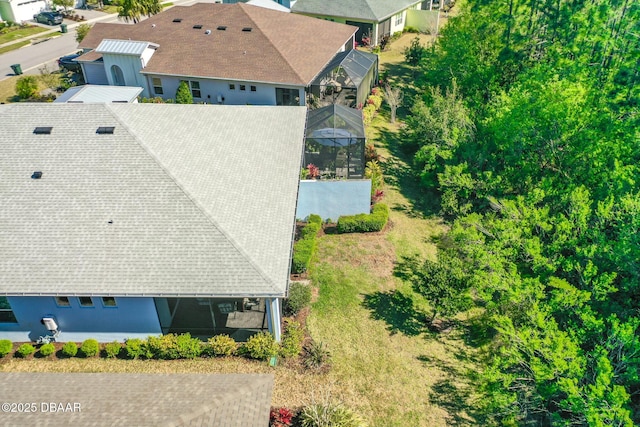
(14, 46)
(20, 33)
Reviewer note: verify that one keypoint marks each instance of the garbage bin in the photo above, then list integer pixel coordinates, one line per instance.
(63, 28)
(17, 69)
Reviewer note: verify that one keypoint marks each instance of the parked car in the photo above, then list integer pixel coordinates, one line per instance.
(51, 18)
(68, 63)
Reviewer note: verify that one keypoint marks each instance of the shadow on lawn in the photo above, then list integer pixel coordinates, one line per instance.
(397, 310)
(398, 173)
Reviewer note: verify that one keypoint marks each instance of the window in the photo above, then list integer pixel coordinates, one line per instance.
(195, 89)
(243, 87)
(6, 313)
(287, 96)
(109, 302)
(398, 19)
(232, 87)
(157, 85)
(63, 302)
(85, 301)
(116, 74)
(253, 88)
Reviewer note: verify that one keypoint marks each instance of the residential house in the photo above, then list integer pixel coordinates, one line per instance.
(127, 220)
(375, 19)
(21, 11)
(228, 53)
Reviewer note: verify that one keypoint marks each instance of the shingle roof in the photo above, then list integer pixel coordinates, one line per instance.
(367, 10)
(182, 200)
(280, 48)
(222, 400)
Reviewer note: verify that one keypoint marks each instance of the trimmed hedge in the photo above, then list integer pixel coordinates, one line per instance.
(362, 223)
(260, 346)
(171, 346)
(25, 350)
(305, 247)
(90, 347)
(47, 349)
(5, 347)
(292, 338)
(112, 349)
(70, 349)
(220, 346)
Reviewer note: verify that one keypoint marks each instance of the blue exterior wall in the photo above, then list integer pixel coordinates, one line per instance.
(132, 318)
(330, 199)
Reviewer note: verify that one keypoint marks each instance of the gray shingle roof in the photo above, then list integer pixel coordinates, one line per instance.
(182, 200)
(221, 400)
(367, 10)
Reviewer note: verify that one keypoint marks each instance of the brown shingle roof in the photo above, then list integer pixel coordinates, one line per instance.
(280, 48)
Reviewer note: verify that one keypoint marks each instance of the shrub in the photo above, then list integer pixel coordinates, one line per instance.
(305, 247)
(362, 223)
(47, 349)
(329, 414)
(280, 417)
(292, 338)
(90, 347)
(5, 347)
(25, 350)
(27, 87)
(135, 348)
(367, 113)
(183, 94)
(70, 349)
(261, 346)
(221, 345)
(373, 171)
(415, 52)
(315, 355)
(375, 100)
(112, 349)
(299, 298)
(370, 153)
(173, 346)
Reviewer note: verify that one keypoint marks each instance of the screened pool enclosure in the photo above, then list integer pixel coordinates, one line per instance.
(347, 80)
(335, 142)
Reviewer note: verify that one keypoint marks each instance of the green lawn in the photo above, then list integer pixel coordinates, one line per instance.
(20, 33)
(13, 46)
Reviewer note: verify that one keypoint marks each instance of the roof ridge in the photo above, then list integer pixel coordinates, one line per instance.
(242, 7)
(207, 215)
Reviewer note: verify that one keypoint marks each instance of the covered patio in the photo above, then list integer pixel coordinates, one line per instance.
(347, 80)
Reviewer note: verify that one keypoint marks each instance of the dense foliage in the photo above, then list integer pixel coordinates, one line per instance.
(305, 247)
(5, 347)
(362, 223)
(299, 298)
(90, 347)
(528, 130)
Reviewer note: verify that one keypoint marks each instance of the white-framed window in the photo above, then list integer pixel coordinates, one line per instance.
(117, 75)
(109, 302)
(62, 301)
(85, 301)
(157, 86)
(195, 89)
(6, 312)
(398, 19)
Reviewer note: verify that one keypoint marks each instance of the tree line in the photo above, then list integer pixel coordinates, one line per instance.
(527, 130)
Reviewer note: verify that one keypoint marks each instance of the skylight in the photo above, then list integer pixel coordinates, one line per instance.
(247, 29)
(177, 20)
(105, 130)
(197, 26)
(36, 175)
(222, 27)
(43, 130)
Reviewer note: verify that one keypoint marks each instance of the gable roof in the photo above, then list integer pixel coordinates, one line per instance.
(280, 47)
(181, 200)
(230, 400)
(367, 10)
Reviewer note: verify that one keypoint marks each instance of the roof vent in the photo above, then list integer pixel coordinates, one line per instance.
(207, 32)
(43, 130)
(177, 20)
(197, 26)
(36, 175)
(222, 28)
(105, 130)
(247, 29)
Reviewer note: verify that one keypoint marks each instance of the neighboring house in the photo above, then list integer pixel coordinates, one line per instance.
(21, 10)
(90, 399)
(127, 220)
(100, 94)
(375, 19)
(228, 53)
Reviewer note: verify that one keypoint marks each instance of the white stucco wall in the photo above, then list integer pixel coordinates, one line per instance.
(21, 10)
